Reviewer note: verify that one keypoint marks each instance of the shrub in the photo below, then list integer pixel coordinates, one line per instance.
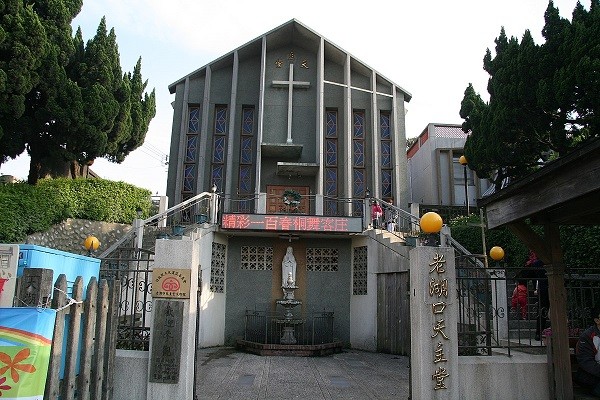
(28, 209)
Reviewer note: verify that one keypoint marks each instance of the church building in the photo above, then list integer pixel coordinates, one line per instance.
(295, 135)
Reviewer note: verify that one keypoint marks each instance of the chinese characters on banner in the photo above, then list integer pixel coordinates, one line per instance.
(438, 291)
(291, 223)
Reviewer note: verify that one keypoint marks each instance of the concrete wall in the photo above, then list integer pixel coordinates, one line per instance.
(521, 376)
(131, 375)
(211, 310)
(363, 308)
(70, 234)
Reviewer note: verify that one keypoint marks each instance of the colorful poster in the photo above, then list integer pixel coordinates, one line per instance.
(25, 343)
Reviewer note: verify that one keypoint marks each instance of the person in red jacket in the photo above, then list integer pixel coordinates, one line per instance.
(519, 298)
(376, 213)
(588, 357)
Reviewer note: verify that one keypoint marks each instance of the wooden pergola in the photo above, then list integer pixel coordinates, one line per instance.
(563, 192)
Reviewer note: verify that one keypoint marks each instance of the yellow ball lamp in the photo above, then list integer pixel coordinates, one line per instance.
(497, 253)
(431, 222)
(91, 243)
(463, 160)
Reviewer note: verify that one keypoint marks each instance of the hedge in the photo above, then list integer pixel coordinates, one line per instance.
(26, 209)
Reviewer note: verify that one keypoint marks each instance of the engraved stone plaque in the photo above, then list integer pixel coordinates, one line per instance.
(167, 328)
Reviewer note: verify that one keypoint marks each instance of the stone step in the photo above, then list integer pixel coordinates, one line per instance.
(522, 324)
(526, 334)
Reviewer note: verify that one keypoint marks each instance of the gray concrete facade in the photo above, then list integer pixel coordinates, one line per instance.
(248, 77)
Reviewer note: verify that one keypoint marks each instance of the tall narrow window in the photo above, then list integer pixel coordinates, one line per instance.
(331, 163)
(386, 154)
(358, 161)
(219, 149)
(191, 150)
(246, 181)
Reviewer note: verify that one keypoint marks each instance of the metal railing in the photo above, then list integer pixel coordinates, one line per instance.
(174, 221)
(268, 328)
(403, 223)
(133, 268)
(489, 323)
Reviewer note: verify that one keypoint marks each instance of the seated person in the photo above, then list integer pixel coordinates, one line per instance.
(588, 357)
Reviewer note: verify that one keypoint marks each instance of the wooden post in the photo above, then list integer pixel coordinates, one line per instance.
(87, 349)
(558, 316)
(59, 299)
(68, 382)
(97, 372)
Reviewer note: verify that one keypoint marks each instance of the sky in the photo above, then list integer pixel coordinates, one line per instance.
(431, 49)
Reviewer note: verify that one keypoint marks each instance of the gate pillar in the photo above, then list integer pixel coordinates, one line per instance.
(433, 318)
(173, 332)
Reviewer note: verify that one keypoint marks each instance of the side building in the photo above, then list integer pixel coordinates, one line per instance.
(436, 176)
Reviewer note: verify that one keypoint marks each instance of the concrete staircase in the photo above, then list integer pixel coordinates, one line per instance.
(394, 241)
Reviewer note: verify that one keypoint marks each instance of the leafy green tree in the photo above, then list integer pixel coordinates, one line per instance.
(22, 46)
(83, 106)
(544, 99)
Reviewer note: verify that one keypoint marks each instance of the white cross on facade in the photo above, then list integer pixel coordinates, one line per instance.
(291, 84)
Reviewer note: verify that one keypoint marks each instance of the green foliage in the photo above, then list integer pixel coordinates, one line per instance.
(579, 243)
(28, 209)
(580, 246)
(73, 103)
(544, 99)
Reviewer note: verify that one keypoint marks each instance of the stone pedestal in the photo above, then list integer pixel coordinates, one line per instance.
(288, 335)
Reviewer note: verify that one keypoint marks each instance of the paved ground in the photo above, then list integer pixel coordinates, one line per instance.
(224, 373)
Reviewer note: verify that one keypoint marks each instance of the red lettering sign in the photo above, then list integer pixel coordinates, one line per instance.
(304, 223)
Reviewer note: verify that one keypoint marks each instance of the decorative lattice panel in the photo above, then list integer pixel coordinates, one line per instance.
(322, 259)
(259, 258)
(217, 268)
(359, 274)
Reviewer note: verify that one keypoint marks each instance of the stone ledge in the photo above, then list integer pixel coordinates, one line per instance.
(290, 350)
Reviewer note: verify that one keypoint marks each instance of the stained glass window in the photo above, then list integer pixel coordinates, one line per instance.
(246, 183)
(331, 130)
(358, 153)
(246, 150)
(386, 183)
(245, 179)
(331, 162)
(248, 121)
(191, 148)
(386, 154)
(220, 120)
(189, 176)
(217, 176)
(385, 125)
(194, 119)
(331, 152)
(359, 124)
(219, 149)
(359, 182)
(358, 162)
